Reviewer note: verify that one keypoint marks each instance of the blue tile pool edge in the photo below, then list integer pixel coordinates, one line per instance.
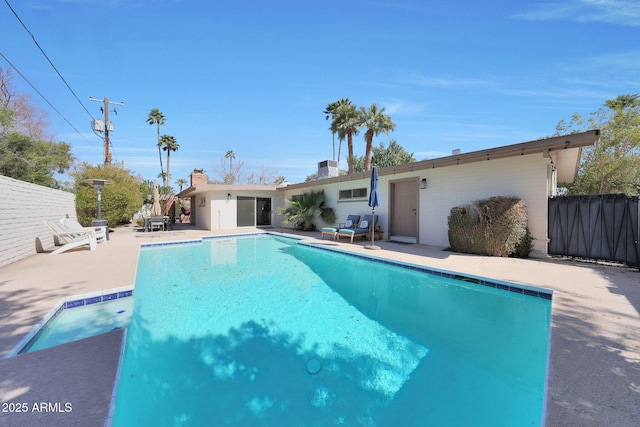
(216, 236)
(65, 303)
(519, 288)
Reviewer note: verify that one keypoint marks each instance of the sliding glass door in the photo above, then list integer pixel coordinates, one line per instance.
(253, 211)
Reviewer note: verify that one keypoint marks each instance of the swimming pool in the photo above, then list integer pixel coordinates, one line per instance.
(262, 330)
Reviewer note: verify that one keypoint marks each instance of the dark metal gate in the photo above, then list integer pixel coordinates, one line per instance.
(603, 227)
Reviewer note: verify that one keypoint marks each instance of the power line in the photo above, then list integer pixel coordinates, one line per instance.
(47, 57)
(39, 93)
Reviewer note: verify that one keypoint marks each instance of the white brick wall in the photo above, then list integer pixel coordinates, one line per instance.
(23, 208)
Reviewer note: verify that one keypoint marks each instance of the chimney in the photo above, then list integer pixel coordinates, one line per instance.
(198, 178)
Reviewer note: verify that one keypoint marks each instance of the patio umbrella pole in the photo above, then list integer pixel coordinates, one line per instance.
(373, 202)
(373, 235)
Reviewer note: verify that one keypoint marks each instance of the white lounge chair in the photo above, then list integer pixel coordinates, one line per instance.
(72, 224)
(71, 239)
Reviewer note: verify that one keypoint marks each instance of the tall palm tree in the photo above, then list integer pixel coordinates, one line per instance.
(181, 182)
(330, 112)
(230, 155)
(346, 123)
(157, 118)
(168, 144)
(375, 121)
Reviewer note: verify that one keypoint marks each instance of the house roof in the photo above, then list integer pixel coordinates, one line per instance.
(207, 188)
(567, 149)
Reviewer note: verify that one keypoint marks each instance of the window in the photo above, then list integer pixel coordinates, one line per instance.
(355, 193)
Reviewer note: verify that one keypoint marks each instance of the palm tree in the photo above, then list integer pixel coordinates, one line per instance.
(157, 118)
(331, 111)
(180, 182)
(168, 144)
(347, 122)
(230, 155)
(303, 211)
(375, 121)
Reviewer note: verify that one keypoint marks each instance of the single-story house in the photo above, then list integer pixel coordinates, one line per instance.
(415, 198)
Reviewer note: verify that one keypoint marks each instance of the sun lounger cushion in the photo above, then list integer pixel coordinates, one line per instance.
(329, 230)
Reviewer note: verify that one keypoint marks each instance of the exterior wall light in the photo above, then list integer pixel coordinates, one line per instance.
(423, 183)
(228, 197)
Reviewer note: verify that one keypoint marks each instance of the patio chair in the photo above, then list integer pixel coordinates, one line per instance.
(351, 222)
(157, 222)
(363, 229)
(73, 225)
(71, 239)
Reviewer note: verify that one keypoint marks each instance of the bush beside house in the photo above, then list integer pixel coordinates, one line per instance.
(496, 226)
(304, 209)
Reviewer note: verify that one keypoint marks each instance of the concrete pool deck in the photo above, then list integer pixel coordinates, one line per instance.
(594, 375)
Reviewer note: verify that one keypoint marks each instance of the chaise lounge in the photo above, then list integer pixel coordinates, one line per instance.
(363, 229)
(351, 222)
(70, 239)
(71, 224)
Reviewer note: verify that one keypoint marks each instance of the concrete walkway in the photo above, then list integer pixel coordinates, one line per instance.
(594, 377)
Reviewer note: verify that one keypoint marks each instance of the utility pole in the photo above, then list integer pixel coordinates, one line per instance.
(106, 127)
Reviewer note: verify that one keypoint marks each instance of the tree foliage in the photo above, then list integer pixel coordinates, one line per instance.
(383, 157)
(305, 208)
(612, 165)
(331, 111)
(347, 120)
(236, 173)
(168, 144)
(35, 161)
(156, 117)
(26, 151)
(374, 120)
(120, 200)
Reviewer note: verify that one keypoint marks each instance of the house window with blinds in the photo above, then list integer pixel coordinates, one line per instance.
(352, 194)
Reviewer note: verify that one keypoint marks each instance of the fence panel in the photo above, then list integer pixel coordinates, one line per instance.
(601, 227)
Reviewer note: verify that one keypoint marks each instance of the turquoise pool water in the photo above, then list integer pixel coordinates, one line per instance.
(83, 321)
(262, 330)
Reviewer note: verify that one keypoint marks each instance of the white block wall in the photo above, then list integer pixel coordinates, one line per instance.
(521, 176)
(23, 208)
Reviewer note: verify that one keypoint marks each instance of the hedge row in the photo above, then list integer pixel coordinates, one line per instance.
(496, 226)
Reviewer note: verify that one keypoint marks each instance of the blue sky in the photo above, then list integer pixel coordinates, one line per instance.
(255, 76)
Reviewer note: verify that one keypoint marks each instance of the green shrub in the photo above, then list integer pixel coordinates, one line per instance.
(496, 226)
(524, 246)
(305, 208)
(120, 200)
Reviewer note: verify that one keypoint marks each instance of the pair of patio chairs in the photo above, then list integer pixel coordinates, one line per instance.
(69, 234)
(353, 227)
